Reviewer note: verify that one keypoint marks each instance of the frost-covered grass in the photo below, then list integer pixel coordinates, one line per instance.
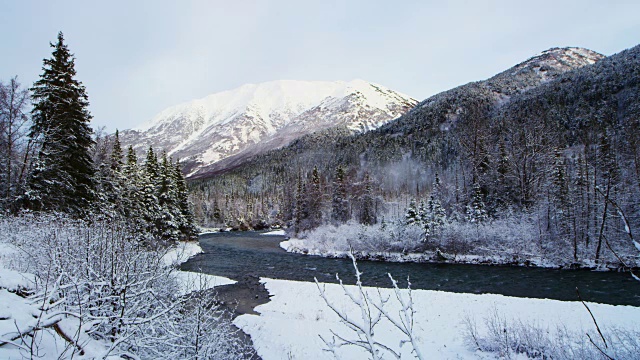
(290, 328)
(514, 240)
(71, 289)
(510, 338)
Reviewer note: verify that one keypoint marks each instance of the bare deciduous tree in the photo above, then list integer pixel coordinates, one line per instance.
(14, 146)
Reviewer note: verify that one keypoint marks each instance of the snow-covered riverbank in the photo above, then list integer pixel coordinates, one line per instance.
(191, 281)
(310, 247)
(290, 325)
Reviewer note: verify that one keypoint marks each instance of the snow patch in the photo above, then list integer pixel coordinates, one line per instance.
(288, 327)
(275, 232)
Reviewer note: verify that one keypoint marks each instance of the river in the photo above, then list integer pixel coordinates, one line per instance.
(235, 254)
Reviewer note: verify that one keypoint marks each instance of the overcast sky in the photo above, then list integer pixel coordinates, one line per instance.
(138, 57)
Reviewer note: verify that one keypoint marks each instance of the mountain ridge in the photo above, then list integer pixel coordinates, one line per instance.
(204, 131)
(419, 127)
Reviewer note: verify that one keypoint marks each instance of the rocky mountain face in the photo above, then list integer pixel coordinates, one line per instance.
(256, 118)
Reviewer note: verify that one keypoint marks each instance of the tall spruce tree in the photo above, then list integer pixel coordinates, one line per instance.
(63, 175)
(368, 213)
(340, 203)
(187, 225)
(116, 153)
(171, 216)
(314, 199)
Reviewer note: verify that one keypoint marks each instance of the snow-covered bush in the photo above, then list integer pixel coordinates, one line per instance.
(515, 236)
(114, 290)
(373, 310)
(384, 237)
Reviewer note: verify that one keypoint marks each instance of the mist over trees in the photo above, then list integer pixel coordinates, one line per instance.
(547, 147)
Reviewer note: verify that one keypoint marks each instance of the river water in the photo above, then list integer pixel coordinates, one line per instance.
(235, 254)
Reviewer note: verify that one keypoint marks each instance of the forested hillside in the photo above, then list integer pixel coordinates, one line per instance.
(552, 142)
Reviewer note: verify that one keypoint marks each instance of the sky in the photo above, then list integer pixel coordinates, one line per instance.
(137, 58)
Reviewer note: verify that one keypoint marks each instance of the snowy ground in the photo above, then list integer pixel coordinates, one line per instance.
(290, 325)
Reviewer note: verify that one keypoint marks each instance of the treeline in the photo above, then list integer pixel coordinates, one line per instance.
(53, 162)
(558, 149)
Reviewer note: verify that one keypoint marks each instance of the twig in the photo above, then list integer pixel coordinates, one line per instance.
(594, 321)
(598, 347)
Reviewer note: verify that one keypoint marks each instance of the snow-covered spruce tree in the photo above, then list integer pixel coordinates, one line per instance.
(116, 158)
(314, 201)
(169, 220)
(301, 211)
(135, 196)
(432, 215)
(368, 213)
(118, 179)
(340, 203)
(187, 225)
(149, 181)
(110, 182)
(411, 216)
(476, 210)
(63, 175)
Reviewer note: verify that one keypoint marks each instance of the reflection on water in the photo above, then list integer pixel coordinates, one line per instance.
(238, 253)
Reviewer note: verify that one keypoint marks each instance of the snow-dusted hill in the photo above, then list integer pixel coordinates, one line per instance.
(255, 118)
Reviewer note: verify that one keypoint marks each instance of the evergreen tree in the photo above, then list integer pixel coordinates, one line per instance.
(314, 199)
(411, 215)
(147, 195)
(151, 166)
(301, 206)
(169, 221)
(132, 159)
(340, 203)
(116, 153)
(368, 214)
(433, 215)
(63, 175)
(187, 225)
(476, 210)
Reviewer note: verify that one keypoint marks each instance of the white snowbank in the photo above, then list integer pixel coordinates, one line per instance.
(206, 230)
(290, 324)
(181, 253)
(275, 232)
(191, 281)
(14, 281)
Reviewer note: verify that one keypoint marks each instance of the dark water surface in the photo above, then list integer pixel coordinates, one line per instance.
(236, 254)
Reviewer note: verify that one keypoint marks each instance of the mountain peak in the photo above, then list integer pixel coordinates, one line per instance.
(204, 131)
(558, 60)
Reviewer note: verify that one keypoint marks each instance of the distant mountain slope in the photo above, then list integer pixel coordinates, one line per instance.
(427, 132)
(256, 118)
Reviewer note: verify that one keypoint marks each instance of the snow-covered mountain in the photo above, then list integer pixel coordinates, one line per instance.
(255, 118)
